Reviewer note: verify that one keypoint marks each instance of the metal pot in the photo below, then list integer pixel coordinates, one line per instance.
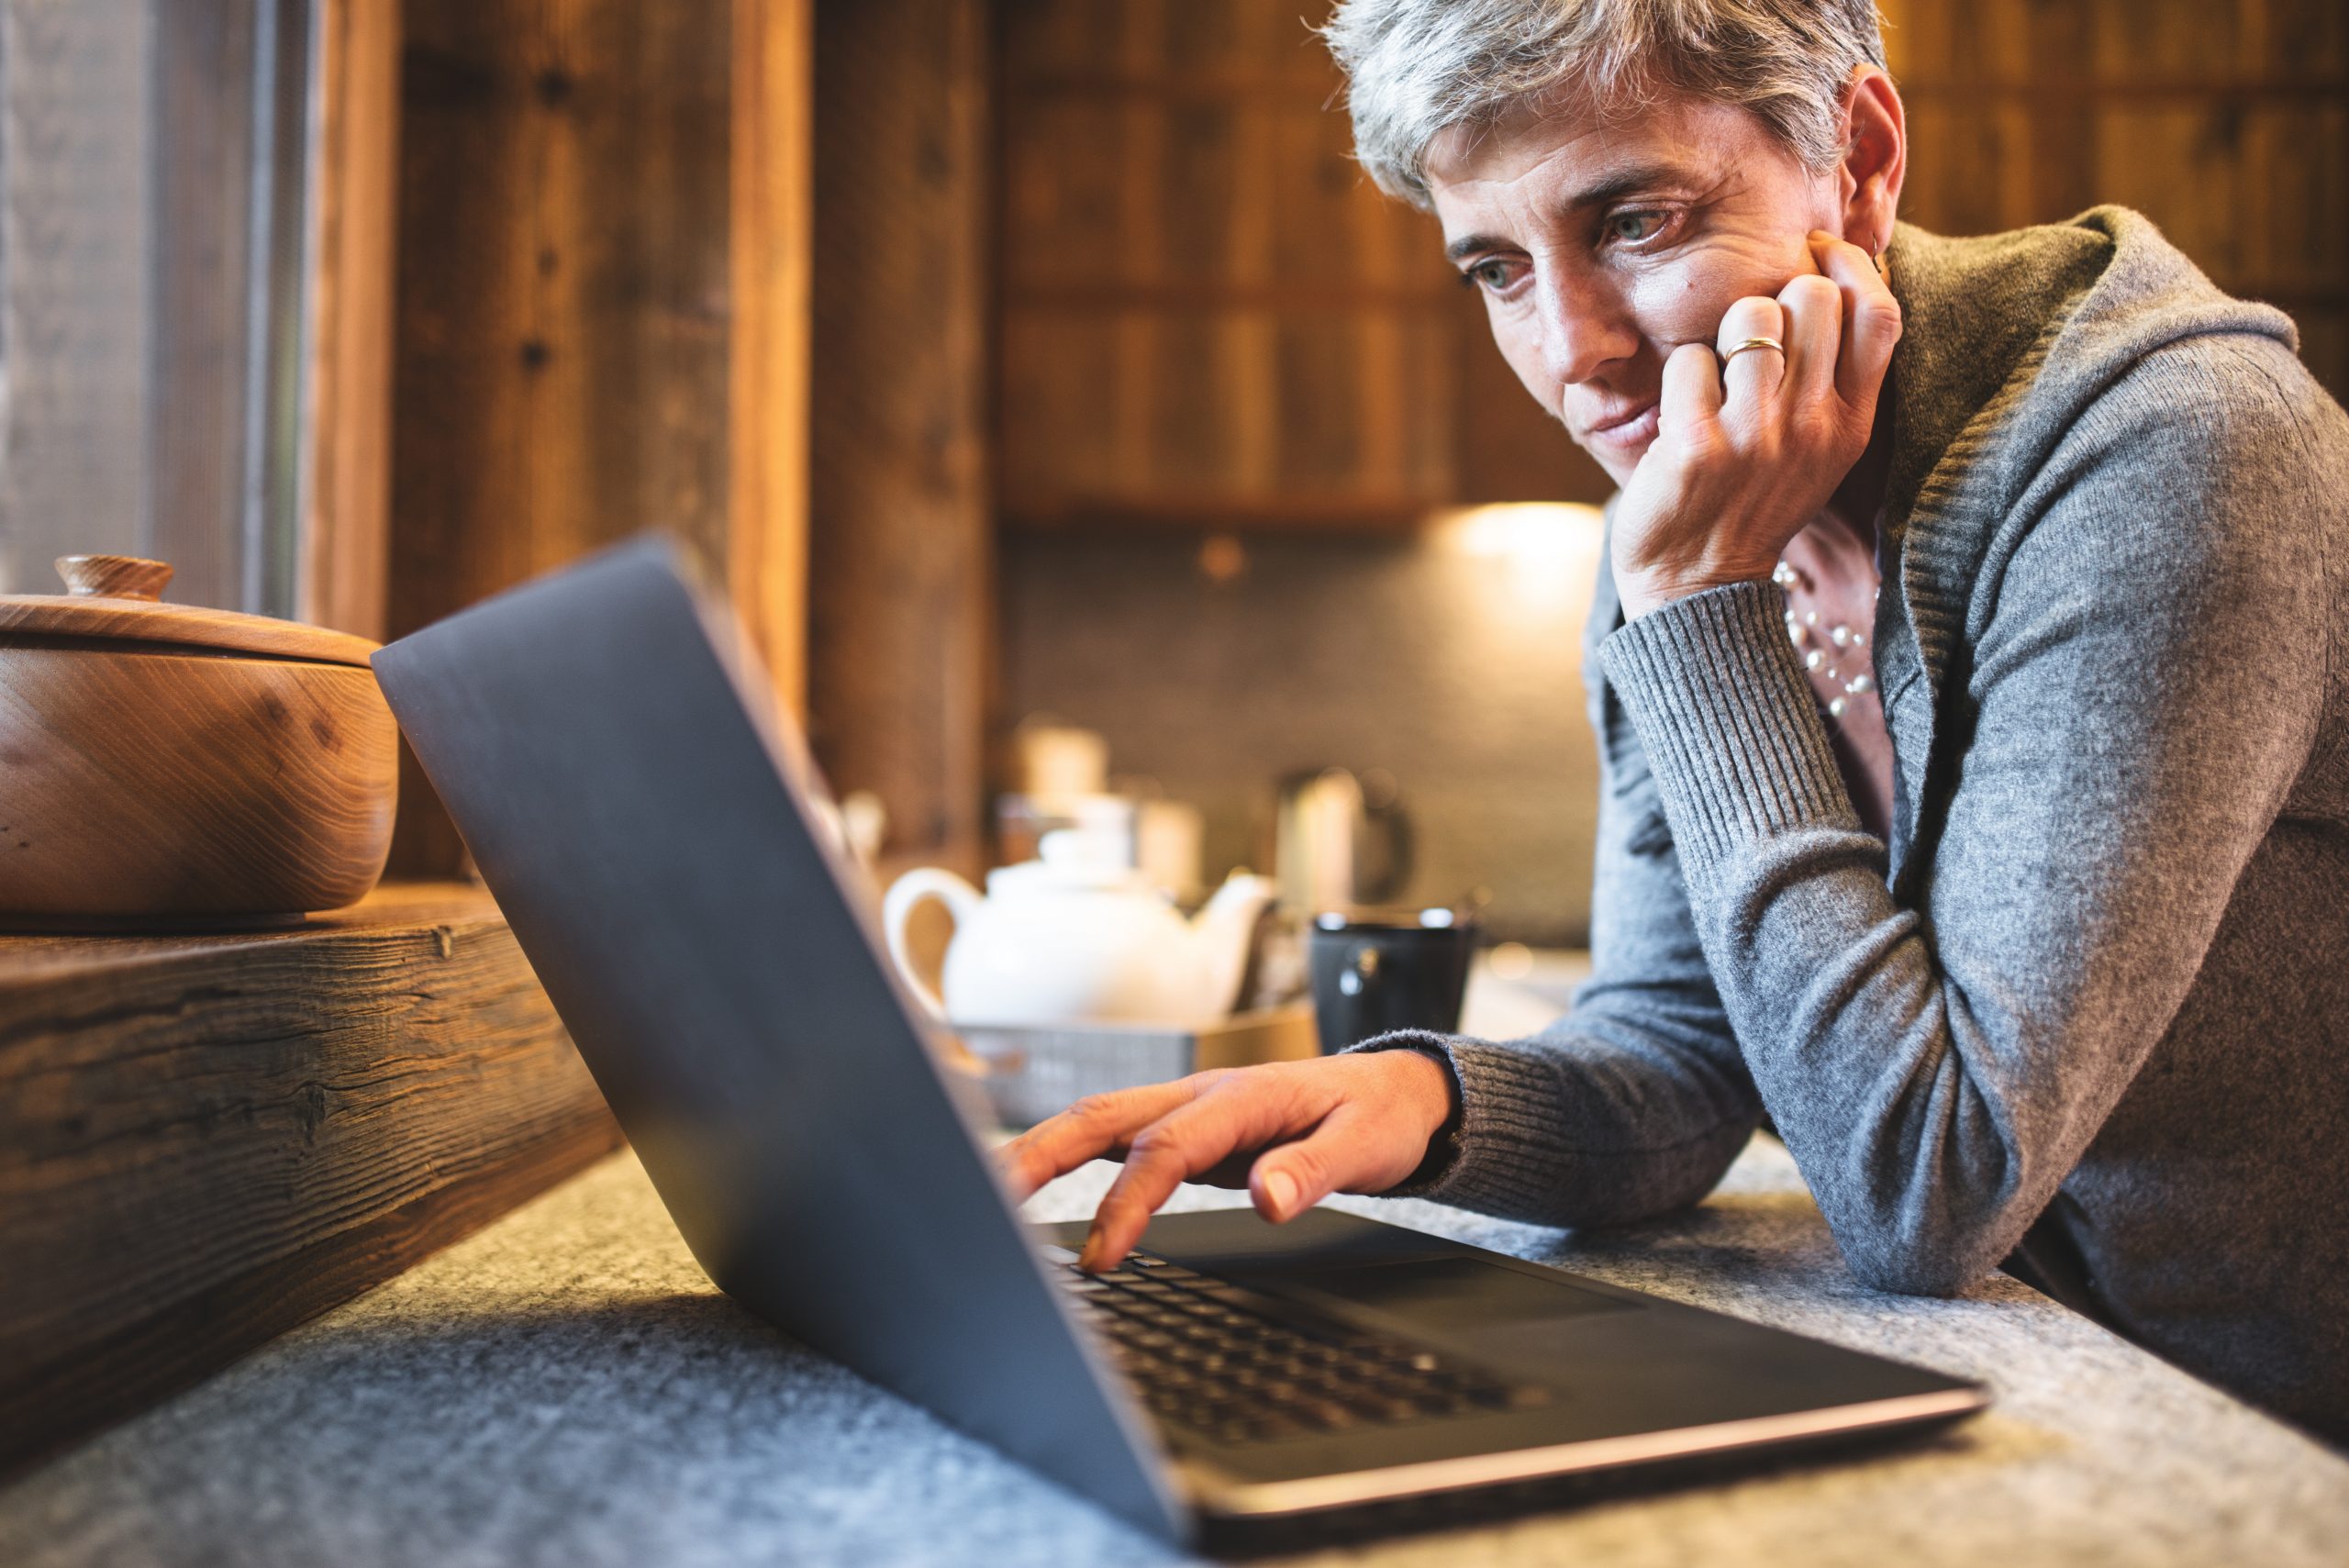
(1341, 842)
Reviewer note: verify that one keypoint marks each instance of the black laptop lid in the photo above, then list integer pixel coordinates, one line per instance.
(592, 735)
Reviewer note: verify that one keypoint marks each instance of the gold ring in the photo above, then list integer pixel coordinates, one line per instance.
(1751, 343)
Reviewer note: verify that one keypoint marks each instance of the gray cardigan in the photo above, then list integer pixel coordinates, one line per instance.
(2088, 1013)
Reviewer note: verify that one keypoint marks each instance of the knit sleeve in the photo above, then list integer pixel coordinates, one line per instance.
(2145, 658)
(1637, 1100)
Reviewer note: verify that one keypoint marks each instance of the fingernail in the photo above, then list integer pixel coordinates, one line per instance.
(1088, 1257)
(1280, 1191)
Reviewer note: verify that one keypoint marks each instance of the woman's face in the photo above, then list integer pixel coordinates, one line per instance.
(1599, 248)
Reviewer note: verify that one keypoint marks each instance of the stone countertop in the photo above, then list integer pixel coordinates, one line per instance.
(565, 1387)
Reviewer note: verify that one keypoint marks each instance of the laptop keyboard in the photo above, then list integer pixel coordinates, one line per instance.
(1240, 1366)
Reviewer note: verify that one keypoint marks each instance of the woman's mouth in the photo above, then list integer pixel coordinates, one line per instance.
(1634, 427)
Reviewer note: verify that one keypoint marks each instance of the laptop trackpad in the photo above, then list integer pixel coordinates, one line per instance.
(1451, 1292)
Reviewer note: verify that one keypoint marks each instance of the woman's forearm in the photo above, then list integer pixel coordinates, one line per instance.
(1938, 1054)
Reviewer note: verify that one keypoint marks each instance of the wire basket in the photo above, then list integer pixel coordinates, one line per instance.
(1032, 1072)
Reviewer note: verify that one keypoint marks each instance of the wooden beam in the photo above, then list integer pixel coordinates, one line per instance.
(773, 216)
(205, 1141)
(901, 554)
(346, 545)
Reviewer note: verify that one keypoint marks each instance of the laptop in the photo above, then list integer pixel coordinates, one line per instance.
(649, 821)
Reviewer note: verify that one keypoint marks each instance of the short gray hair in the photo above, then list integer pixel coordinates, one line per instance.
(1416, 68)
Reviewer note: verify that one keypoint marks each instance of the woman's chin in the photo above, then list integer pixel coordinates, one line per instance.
(1620, 459)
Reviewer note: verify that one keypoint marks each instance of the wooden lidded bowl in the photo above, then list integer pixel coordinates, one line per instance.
(169, 766)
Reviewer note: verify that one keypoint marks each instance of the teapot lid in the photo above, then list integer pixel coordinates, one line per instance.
(119, 598)
(1073, 859)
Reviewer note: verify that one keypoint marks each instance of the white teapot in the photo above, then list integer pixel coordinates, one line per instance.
(1077, 937)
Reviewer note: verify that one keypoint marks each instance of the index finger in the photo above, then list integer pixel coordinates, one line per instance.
(1187, 1140)
(1093, 1127)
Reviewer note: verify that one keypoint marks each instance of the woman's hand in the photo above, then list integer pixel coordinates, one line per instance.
(1744, 460)
(1354, 1123)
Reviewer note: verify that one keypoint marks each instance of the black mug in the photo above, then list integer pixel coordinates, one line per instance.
(1379, 970)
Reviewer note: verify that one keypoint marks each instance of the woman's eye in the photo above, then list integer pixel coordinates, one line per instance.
(1491, 274)
(1633, 227)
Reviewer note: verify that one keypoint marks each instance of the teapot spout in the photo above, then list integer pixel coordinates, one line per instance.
(1222, 933)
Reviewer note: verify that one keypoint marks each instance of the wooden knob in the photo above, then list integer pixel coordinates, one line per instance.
(114, 576)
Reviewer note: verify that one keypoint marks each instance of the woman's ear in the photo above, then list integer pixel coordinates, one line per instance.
(1876, 159)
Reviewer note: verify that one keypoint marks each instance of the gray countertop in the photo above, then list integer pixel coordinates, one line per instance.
(566, 1388)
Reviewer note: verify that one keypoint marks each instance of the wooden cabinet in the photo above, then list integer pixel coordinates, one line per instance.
(1211, 317)
(1208, 314)
(2225, 121)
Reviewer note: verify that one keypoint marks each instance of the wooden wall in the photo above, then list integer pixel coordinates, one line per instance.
(900, 552)
(2226, 121)
(597, 331)
(1087, 264)
(609, 303)
(1210, 319)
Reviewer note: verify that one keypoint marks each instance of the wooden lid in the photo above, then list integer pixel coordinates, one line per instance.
(119, 598)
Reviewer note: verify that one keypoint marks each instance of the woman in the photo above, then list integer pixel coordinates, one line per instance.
(2012, 895)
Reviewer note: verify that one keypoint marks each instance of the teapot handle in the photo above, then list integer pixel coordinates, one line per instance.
(907, 894)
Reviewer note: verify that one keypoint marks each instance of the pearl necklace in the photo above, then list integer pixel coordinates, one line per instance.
(1839, 640)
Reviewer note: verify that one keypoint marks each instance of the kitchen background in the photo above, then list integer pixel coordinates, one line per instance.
(1245, 412)
(1006, 359)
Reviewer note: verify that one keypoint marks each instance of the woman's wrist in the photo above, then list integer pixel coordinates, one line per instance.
(1433, 1092)
(1433, 1088)
(1421, 1089)
(1643, 591)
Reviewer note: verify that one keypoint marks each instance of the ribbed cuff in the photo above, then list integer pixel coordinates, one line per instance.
(1499, 1146)
(1728, 720)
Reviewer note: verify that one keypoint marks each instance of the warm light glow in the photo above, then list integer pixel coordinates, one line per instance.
(1510, 961)
(1529, 533)
(1222, 559)
(1542, 556)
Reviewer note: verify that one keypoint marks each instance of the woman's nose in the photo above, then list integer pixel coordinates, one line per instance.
(1584, 329)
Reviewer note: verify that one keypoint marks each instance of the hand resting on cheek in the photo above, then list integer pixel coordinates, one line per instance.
(1746, 456)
